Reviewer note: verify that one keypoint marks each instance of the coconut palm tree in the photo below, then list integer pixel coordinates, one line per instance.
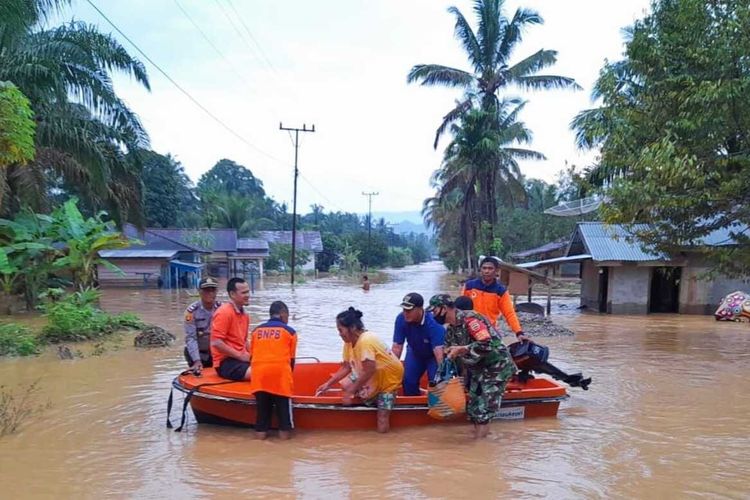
(482, 160)
(489, 50)
(84, 130)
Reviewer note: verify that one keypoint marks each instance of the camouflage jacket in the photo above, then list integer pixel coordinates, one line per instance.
(486, 348)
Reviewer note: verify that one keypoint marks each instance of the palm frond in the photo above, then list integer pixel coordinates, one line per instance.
(436, 74)
(468, 39)
(546, 82)
(513, 32)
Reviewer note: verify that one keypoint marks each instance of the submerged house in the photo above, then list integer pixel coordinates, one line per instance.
(618, 276)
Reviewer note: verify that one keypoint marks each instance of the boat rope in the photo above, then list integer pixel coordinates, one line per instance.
(188, 396)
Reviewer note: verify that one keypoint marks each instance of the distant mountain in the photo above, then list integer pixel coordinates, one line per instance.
(403, 222)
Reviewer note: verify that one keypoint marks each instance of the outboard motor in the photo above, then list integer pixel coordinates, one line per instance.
(532, 357)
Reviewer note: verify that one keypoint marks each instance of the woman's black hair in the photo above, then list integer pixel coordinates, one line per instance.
(351, 318)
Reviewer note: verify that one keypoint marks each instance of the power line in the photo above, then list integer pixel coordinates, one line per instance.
(226, 59)
(181, 89)
(260, 49)
(212, 44)
(197, 103)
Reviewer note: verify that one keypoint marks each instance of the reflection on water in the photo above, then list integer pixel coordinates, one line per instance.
(666, 416)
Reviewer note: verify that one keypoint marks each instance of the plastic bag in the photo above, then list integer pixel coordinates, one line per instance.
(446, 399)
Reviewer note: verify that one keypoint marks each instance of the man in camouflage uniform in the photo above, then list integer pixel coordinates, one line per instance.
(471, 339)
(198, 317)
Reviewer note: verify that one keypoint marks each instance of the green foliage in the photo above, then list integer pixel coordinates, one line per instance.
(17, 340)
(28, 257)
(201, 238)
(167, 191)
(672, 128)
(350, 259)
(489, 48)
(84, 238)
(280, 257)
(75, 318)
(84, 131)
(16, 127)
(231, 178)
(28, 254)
(399, 257)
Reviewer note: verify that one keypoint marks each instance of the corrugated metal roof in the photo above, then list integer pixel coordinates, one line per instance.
(307, 240)
(613, 242)
(223, 240)
(548, 247)
(136, 253)
(556, 260)
(153, 241)
(616, 242)
(252, 244)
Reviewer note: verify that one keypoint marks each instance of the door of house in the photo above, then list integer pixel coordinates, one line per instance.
(665, 290)
(603, 288)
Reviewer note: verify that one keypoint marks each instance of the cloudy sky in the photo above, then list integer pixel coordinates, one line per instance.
(341, 65)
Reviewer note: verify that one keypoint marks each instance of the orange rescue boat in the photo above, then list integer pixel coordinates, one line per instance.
(218, 401)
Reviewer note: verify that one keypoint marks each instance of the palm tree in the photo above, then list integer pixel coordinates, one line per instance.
(489, 51)
(84, 130)
(482, 161)
(243, 213)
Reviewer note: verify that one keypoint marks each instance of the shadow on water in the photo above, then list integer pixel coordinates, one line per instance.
(666, 416)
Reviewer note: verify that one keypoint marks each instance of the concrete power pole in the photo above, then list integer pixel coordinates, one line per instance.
(296, 174)
(369, 224)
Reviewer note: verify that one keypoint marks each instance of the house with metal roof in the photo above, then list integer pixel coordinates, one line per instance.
(310, 241)
(620, 275)
(152, 260)
(550, 250)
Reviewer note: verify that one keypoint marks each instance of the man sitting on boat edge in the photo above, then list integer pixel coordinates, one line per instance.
(198, 316)
(229, 333)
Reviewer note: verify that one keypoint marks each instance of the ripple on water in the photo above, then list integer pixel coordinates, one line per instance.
(665, 416)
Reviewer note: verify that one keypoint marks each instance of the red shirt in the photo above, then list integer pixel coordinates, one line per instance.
(230, 325)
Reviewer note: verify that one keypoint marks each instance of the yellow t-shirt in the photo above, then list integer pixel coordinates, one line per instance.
(388, 370)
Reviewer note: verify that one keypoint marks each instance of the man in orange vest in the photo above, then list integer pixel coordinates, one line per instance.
(490, 298)
(273, 347)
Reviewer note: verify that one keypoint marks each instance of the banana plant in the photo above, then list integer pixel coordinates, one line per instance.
(83, 239)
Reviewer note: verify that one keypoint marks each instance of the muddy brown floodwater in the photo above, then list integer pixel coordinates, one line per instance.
(668, 416)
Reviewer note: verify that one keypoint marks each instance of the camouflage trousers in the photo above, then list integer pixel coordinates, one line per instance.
(486, 388)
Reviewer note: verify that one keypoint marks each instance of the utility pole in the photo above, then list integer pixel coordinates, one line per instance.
(296, 131)
(369, 224)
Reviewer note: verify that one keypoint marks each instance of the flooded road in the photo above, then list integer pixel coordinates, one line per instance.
(668, 416)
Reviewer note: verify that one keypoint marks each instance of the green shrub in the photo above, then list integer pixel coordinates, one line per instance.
(17, 340)
(74, 318)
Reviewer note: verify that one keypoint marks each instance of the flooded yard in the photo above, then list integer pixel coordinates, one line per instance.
(666, 416)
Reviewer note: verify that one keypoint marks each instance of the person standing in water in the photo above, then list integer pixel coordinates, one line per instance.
(490, 298)
(273, 347)
(365, 283)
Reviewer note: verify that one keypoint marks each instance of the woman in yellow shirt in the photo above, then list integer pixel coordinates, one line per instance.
(374, 374)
